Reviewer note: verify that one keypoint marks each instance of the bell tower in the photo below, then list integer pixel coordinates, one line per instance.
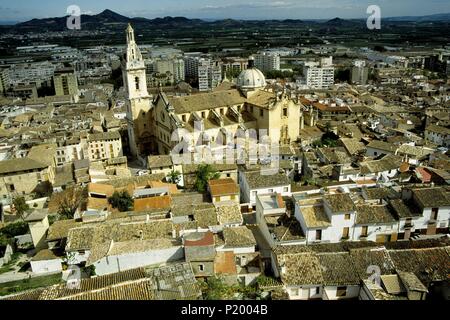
(135, 83)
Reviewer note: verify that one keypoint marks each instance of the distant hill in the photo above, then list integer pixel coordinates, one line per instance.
(105, 17)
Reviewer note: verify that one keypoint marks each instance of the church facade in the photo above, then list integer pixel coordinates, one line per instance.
(206, 120)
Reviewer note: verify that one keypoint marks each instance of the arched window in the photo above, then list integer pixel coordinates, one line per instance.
(136, 80)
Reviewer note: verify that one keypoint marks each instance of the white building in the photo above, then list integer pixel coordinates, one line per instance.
(267, 61)
(253, 183)
(104, 145)
(319, 75)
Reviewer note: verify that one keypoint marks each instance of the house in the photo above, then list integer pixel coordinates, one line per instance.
(225, 171)
(341, 211)
(375, 222)
(174, 281)
(200, 252)
(104, 145)
(384, 169)
(46, 261)
(237, 245)
(97, 239)
(438, 135)
(434, 204)
(229, 214)
(412, 154)
(38, 224)
(164, 164)
(223, 190)
(310, 212)
(111, 257)
(275, 225)
(400, 286)
(253, 183)
(377, 148)
(21, 176)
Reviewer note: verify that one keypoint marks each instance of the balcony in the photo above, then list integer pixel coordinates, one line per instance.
(408, 225)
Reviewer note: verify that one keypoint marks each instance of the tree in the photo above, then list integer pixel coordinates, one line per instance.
(204, 173)
(174, 177)
(21, 206)
(121, 200)
(69, 200)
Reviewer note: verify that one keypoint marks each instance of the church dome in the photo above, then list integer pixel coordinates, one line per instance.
(251, 78)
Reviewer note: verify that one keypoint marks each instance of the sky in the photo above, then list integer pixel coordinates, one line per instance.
(22, 10)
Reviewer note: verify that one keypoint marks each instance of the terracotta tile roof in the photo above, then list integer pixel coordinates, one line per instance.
(60, 228)
(225, 263)
(238, 237)
(338, 269)
(98, 188)
(100, 204)
(300, 269)
(339, 202)
(229, 213)
(201, 239)
(373, 214)
(222, 187)
(161, 202)
(315, 216)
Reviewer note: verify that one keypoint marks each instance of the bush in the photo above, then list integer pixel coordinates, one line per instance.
(121, 200)
(14, 229)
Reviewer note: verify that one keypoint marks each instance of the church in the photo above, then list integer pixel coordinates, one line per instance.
(158, 125)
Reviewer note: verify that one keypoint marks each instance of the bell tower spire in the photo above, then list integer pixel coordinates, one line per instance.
(135, 83)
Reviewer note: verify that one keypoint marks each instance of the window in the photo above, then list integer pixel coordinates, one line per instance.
(434, 213)
(232, 197)
(317, 290)
(217, 199)
(318, 234)
(254, 193)
(294, 292)
(261, 113)
(203, 114)
(364, 230)
(341, 291)
(136, 80)
(285, 112)
(345, 233)
(347, 216)
(286, 189)
(201, 267)
(270, 190)
(183, 117)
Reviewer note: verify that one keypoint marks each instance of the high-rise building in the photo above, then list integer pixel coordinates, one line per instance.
(138, 99)
(203, 74)
(319, 75)
(65, 82)
(173, 66)
(207, 71)
(4, 80)
(267, 61)
(359, 73)
(214, 74)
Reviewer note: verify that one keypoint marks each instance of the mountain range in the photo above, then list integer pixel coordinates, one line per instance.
(111, 18)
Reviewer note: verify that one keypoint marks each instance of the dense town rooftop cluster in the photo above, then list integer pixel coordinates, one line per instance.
(352, 177)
